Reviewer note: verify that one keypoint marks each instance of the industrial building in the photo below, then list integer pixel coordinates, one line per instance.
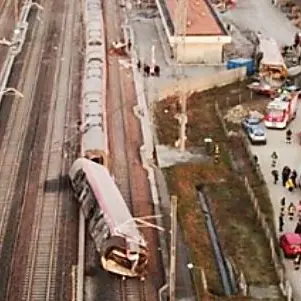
(204, 36)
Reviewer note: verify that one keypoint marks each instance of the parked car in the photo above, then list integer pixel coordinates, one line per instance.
(250, 121)
(290, 243)
(256, 134)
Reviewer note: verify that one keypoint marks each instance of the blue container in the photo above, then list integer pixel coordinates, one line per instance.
(241, 62)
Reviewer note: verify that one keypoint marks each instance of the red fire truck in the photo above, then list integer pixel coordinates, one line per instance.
(282, 110)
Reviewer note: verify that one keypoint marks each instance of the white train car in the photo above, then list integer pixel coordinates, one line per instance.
(94, 144)
(118, 240)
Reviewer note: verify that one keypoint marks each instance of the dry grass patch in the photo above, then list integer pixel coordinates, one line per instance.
(240, 234)
(182, 181)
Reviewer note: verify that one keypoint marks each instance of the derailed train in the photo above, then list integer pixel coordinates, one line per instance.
(116, 235)
(117, 238)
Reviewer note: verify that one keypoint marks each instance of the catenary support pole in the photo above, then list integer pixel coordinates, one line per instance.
(173, 244)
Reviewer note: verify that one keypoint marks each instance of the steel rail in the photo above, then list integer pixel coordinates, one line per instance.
(12, 149)
(18, 39)
(132, 290)
(42, 265)
(13, 140)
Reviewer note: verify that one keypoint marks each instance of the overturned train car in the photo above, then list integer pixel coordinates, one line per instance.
(118, 240)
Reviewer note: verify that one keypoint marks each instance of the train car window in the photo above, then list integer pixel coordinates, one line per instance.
(95, 43)
(78, 176)
(81, 186)
(98, 160)
(90, 201)
(100, 224)
(104, 233)
(96, 60)
(99, 215)
(93, 6)
(82, 182)
(94, 72)
(90, 76)
(87, 207)
(83, 195)
(79, 182)
(91, 212)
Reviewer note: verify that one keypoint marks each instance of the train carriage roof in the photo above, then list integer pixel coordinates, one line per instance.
(94, 138)
(109, 199)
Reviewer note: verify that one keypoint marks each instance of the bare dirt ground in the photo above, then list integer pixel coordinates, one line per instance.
(240, 235)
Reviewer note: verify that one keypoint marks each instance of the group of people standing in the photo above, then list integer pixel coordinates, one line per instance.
(288, 177)
(289, 181)
(148, 70)
(291, 211)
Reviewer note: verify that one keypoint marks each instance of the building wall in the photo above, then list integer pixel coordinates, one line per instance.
(201, 53)
(202, 83)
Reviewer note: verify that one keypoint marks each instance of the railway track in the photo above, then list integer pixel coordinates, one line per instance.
(12, 142)
(7, 24)
(132, 290)
(69, 225)
(40, 282)
(14, 135)
(124, 141)
(32, 150)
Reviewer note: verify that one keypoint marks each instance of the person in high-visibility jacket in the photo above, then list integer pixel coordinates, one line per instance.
(289, 185)
(291, 211)
(216, 154)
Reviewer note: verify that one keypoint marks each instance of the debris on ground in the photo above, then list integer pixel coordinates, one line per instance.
(119, 48)
(224, 5)
(236, 114)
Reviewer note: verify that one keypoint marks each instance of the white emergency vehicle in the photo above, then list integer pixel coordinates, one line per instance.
(282, 110)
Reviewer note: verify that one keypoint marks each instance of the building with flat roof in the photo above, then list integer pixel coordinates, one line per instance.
(205, 34)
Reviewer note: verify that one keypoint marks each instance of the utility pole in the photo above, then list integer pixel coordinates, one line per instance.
(153, 60)
(16, 11)
(173, 249)
(180, 36)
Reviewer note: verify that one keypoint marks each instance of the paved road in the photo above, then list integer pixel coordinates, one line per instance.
(260, 15)
(288, 155)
